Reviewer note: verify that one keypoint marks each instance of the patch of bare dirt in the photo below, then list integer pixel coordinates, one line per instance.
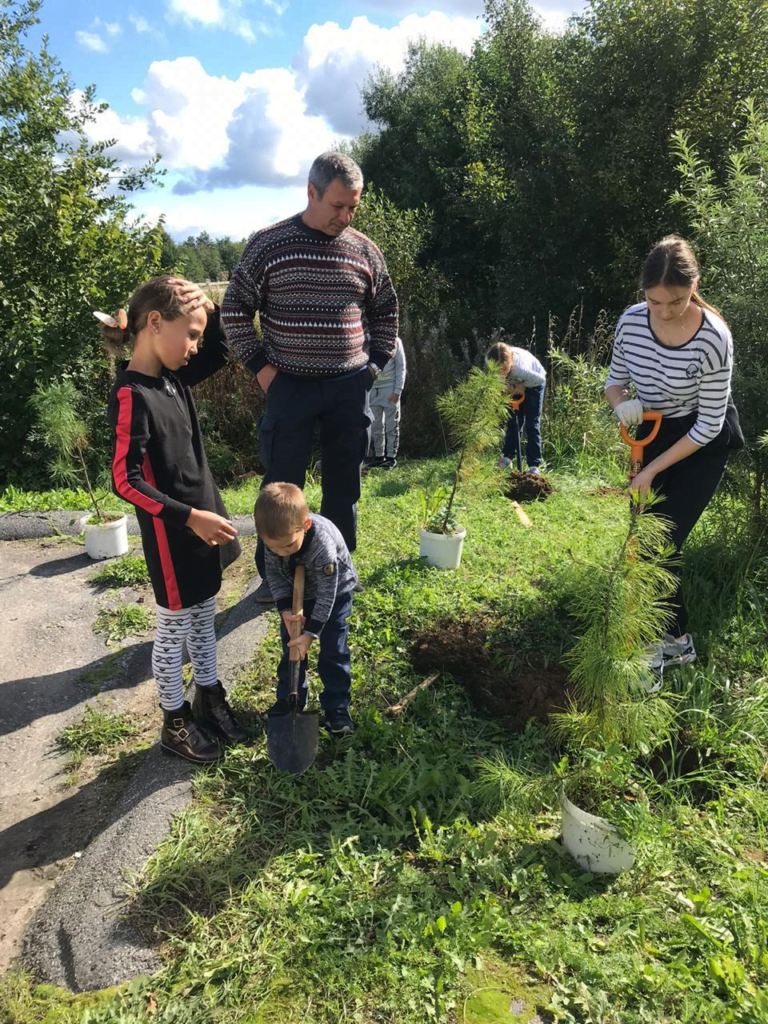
(462, 648)
(527, 486)
(609, 492)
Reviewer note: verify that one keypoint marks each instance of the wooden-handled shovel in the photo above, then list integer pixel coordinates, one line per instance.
(292, 738)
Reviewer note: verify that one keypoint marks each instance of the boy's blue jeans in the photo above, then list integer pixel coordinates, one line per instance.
(529, 414)
(333, 663)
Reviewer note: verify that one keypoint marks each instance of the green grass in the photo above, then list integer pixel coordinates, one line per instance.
(76, 500)
(115, 624)
(96, 733)
(238, 499)
(385, 887)
(128, 571)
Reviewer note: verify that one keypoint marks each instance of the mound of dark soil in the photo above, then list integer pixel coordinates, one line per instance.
(527, 487)
(462, 648)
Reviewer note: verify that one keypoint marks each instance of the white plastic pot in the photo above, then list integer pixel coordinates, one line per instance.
(593, 842)
(105, 540)
(442, 550)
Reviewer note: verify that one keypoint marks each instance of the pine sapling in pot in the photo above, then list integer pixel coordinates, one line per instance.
(63, 430)
(473, 414)
(614, 716)
(619, 601)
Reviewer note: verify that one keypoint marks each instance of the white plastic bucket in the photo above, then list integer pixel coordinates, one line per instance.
(593, 842)
(442, 550)
(105, 540)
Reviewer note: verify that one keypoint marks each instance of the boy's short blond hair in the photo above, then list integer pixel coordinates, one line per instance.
(280, 509)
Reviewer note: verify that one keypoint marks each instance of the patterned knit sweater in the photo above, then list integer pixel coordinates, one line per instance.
(312, 293)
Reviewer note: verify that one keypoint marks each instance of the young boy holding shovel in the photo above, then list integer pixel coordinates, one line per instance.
(293, 537)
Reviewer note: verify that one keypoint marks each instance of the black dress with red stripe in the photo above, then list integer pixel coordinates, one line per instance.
(160, 467)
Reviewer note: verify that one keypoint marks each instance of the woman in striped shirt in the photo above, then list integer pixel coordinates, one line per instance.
(676, 352)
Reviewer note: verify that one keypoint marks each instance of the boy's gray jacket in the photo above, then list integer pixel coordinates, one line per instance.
(329, 572)
(392, 377)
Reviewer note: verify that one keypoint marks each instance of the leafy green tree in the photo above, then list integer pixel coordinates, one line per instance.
(417, 157)
(730, 223)
(67, 246)
(169, 253)
(190, 264)
(208, 252)
(403, 236)
(230, 253)
(545, 158)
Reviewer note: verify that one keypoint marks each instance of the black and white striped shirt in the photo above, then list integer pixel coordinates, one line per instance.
(695, 377)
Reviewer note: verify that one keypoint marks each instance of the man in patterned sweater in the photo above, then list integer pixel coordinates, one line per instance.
(318, 286)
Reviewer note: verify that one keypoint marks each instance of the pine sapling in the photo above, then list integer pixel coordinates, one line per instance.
(622, 606)
(473, 414)
(63, 430)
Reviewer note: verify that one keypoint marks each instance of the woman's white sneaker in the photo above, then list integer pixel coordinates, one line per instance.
(667, 654)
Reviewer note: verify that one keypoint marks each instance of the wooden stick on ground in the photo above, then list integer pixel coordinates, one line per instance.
(403, 703)
(521, 514)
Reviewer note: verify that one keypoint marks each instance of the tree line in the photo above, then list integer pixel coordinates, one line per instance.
(200, 257)
(506, 187)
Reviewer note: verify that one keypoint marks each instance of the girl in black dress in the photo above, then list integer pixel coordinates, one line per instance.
(159, 466)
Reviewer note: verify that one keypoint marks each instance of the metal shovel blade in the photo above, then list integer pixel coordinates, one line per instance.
(292, 740)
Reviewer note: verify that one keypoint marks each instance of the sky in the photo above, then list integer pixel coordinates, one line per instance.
(239, 96)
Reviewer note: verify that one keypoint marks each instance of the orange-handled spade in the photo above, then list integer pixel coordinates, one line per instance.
(636, 447)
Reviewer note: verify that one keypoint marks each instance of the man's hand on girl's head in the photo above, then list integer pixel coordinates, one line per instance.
(192, 296)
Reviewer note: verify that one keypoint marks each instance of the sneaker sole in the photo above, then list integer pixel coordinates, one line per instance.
(675, 660)
(658, 670)
(346, 731)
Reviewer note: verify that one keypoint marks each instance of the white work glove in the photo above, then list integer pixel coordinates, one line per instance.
(630, 412)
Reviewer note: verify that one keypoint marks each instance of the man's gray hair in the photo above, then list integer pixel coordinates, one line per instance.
(330, 166)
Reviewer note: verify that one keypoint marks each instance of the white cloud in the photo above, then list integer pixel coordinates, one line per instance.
(465, 8)
(271, 141)
(335, 62)
(144, 27)
(209, 12)
(91, 41)
(224, 14)
(188, 111)
(134, 143)
(265, 127)
(95, 39)
(553, 20)
(225, 132)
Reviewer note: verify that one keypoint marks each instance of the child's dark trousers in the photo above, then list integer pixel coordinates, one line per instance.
(333, 663)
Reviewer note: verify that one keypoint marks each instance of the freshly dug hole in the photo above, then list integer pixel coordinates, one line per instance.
(527, 487)
(462, 648)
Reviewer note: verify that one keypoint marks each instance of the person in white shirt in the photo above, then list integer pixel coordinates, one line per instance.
(385, 409)
(526, 378)
(673, 353)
